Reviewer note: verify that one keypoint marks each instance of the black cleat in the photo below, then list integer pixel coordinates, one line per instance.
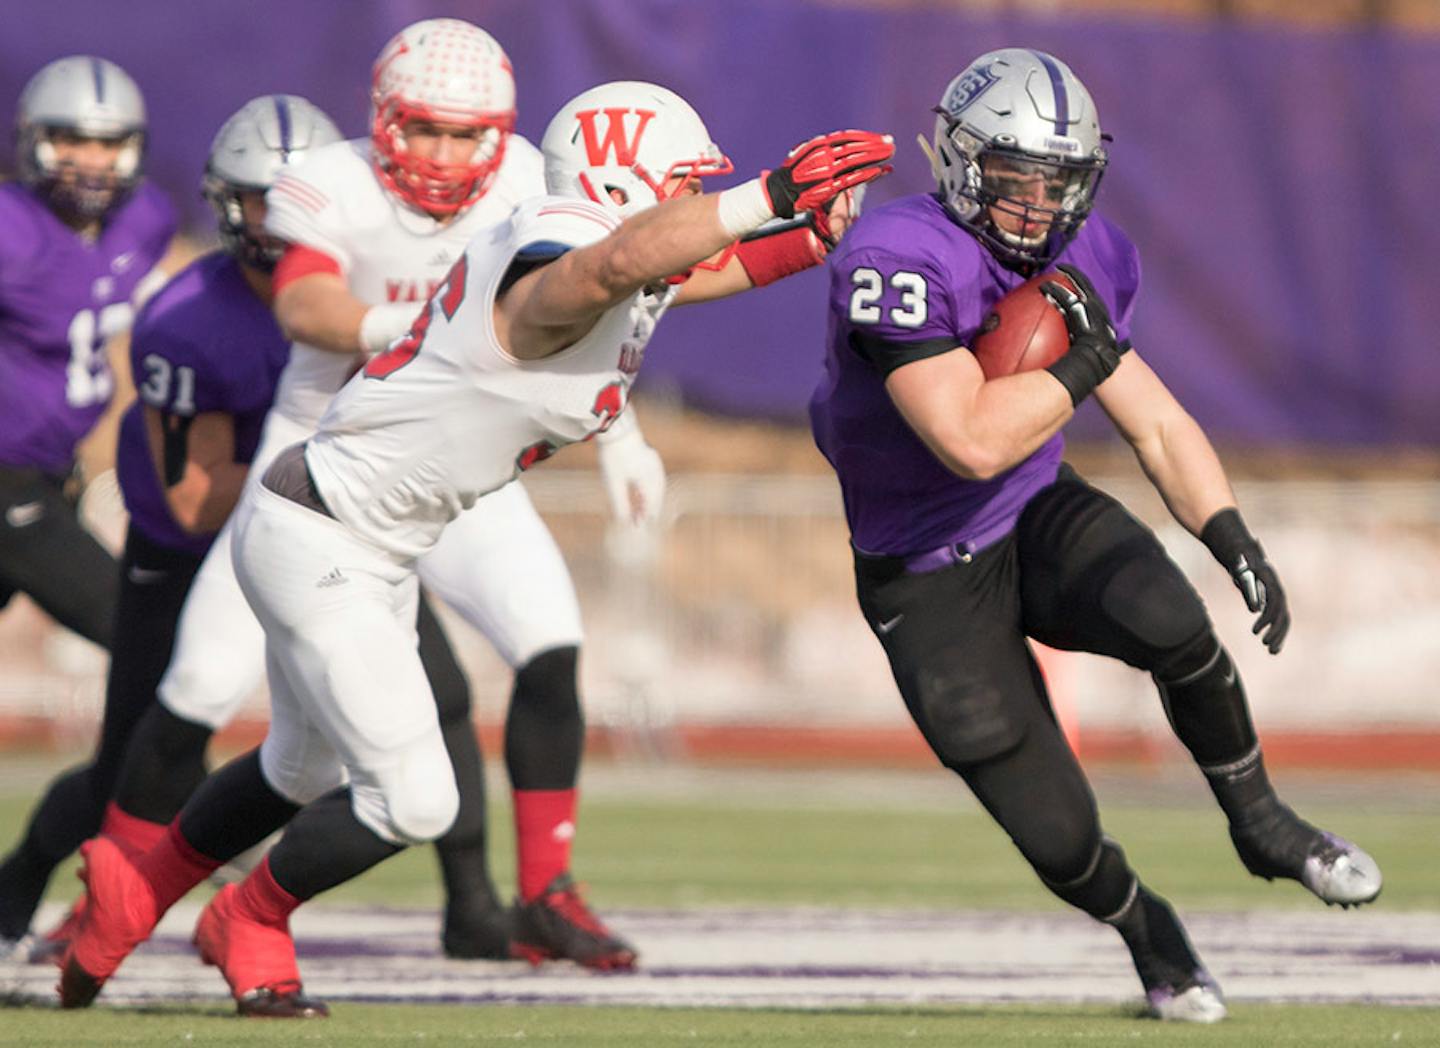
(77, 987)
(483, 936)
(557, 924)
(284, 1001)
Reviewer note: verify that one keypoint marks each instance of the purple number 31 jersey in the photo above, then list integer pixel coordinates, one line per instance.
(61, 298)
(204, 343)
(908, 282)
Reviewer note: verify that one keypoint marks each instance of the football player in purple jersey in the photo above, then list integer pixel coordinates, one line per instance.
(970, 534)
(205, 353)
(83, 238)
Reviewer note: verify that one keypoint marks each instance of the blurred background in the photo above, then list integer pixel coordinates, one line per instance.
(1274, 161)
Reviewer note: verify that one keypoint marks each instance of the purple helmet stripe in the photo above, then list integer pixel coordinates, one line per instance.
(282, 114)
(97, 71)
(1057, 85)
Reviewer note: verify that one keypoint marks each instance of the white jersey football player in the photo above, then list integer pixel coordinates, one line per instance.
(530, 343)
(373, 226)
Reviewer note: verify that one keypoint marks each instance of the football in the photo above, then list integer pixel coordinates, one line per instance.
(1023, 331)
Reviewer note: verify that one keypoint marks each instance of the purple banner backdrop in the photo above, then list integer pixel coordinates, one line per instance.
(1280, 182)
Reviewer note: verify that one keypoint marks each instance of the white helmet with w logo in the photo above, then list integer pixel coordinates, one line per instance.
(628, 145)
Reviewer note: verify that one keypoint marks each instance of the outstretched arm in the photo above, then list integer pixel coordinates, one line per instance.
(552, 307)
(1181, 462)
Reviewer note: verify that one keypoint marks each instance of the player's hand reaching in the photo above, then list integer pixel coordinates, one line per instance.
(1094, 352)
(1240, 554)
(814, 173)
(633, 472)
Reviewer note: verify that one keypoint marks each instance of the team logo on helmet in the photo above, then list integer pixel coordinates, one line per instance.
(598, 149)
(967, 89)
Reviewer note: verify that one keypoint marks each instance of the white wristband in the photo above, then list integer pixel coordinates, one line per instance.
(383, 324)
(745, 208)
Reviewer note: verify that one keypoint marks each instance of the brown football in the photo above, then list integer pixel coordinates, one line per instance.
(1023, 331)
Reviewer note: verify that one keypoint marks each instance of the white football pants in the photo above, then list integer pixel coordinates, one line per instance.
(496, 564)
(347, 691)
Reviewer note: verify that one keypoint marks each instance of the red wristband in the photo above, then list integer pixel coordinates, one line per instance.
(768, 259)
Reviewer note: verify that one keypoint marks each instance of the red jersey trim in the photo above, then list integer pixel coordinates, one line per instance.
(301, 261)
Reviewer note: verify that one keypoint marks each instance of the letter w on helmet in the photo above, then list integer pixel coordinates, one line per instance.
(639, 140)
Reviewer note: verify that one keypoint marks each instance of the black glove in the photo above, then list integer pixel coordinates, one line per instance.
(816, 172)
(1094, 351)
(1235, 548)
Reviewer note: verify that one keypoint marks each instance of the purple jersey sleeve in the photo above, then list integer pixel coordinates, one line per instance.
(894, 292)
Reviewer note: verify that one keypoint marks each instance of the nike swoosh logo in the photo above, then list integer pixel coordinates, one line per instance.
(146, 576)
(889, 624)
(23, 514)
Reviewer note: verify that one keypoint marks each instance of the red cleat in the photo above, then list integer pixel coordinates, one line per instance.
(119, 913)
(557, 924)
(257, 960)
(51, 948)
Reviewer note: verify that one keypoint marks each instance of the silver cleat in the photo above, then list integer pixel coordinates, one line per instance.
(1200, 1003)
(1340, 872)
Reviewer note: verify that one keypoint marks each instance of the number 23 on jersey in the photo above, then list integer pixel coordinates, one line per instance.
(869, 293)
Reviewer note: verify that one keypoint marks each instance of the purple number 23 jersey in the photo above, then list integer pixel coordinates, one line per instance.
(907, 282)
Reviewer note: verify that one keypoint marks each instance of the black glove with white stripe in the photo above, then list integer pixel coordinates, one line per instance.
(1226, 536)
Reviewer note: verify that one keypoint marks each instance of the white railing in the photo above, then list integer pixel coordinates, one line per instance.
(741, 609)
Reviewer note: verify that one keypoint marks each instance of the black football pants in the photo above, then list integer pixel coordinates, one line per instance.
(48, 556)
(1078, 573)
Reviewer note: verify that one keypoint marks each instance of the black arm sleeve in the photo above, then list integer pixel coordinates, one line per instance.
(886, 355)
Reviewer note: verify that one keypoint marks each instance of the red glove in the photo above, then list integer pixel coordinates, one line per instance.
(817, 171)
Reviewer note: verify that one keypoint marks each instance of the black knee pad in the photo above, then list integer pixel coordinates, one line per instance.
(1103, 888)
(967, 719)
(1154, 603)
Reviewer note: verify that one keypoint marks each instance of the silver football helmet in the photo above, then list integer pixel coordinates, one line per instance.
(80, 96)
(1018, 154)
(251, 148)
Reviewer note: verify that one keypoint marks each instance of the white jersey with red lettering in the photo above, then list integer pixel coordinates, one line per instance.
(447, 415)
(387, 252)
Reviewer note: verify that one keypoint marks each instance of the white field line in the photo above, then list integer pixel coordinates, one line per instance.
(817, 958)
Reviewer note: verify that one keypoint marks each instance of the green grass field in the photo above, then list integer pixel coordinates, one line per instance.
(1253, 1026)
(657, 839)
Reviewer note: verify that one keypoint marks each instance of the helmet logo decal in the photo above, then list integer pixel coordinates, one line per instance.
(1057, 86)
(597, 149)
(968, 89)
(98, 72)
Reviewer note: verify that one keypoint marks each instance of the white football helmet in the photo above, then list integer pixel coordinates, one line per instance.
(1017, 132)
(447, 71)
(251, 148)
(628, 136)
(86, 97)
